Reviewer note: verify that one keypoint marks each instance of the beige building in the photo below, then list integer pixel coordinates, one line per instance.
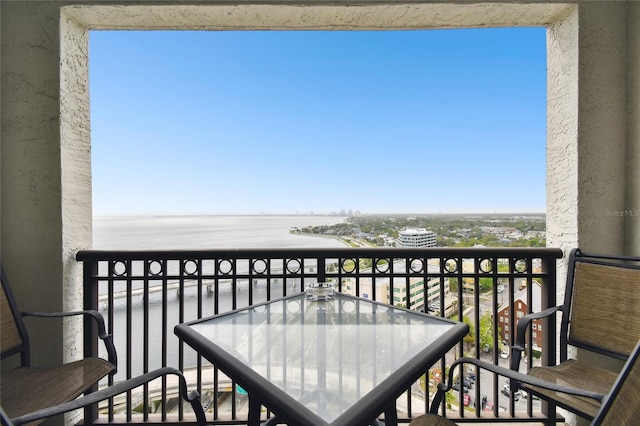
(395, 294)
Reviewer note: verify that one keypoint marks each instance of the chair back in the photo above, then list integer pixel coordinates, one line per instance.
(622, 405)
(13, 333)
(603, 296)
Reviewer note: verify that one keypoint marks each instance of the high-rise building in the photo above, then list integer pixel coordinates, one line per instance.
(417, 237)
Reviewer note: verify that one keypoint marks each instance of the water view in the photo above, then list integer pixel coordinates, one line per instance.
(207, 232)
(193, 232)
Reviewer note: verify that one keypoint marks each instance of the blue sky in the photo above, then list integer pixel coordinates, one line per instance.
(437, 121)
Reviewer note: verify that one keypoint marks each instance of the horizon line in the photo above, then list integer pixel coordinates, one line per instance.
(333, 214)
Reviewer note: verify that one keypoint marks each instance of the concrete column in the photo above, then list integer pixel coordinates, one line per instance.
(31, 193)
(75, 163)
(632, 221)
(602, 135)
(562, 133)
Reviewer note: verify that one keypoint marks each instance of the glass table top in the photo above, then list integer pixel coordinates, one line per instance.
(327, 355)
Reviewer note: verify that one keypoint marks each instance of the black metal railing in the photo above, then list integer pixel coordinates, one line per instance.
(144, 294)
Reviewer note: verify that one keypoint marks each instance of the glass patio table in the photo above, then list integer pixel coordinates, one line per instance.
(343, 361)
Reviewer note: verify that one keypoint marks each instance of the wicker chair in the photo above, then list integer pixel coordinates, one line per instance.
(599, 314)
(619, 407)
(31, 394)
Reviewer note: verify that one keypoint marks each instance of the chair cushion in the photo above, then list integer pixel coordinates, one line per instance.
(574, 374)
(431, 420)
(27, 389)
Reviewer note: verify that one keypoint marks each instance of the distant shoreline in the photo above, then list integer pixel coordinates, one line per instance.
(470, 214)
(331, 237)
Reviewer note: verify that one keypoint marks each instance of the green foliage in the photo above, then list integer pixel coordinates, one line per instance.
(486, 284)
(469, 339)
(486, 331)
(453, 285)
(451, 230)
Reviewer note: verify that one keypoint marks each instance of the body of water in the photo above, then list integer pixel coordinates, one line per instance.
(208, 232)
(184, 233)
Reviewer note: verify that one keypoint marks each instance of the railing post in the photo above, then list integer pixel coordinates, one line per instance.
(549, 339)
(90, 302)
(118, 270)
(322, 268)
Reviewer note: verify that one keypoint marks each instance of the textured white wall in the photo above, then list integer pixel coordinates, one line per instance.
(30, 160)
(228, 16)
(632, 224)
(562, 132)
(602, 128)
(75, 158)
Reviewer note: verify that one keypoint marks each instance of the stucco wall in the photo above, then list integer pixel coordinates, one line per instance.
(562, 132)
(30, 161)
(602, 128)
(632, 224)
(75, 157)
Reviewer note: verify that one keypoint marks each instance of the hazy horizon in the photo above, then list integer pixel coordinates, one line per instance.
(330, 214)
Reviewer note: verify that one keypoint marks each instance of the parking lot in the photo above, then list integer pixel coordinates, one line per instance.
(495, 388)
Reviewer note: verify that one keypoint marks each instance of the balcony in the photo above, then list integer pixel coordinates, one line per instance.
(143, 295)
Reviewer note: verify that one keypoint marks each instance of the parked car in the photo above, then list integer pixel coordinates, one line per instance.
(525, 395)
(466, 384)
(466, 400)
(486, 405)
(506, 391)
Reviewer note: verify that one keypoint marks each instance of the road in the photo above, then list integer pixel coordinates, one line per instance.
(489, 386)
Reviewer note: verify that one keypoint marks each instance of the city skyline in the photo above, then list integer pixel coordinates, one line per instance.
(380, 122)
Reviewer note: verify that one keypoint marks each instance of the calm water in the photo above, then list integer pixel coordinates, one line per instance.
(203, 232)
(192, 232)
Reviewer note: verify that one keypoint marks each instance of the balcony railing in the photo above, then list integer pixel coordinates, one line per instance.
(144, 294)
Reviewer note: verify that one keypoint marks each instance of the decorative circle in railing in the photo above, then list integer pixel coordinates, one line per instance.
(416, 265)
(451, 265)
(348, 265)
(119, 268)
(348, 306)
(261, 308)
(521, 266)
(259, 266)
(154, 267)
(486, 265)
(382, 265)
(293, 266)
(225, 266)
(384, 309)
(189, 267)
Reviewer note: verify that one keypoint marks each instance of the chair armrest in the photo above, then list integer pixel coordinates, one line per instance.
(92, 398)
(511, 374)
(102, 330)
(523, 324)
(4, 418)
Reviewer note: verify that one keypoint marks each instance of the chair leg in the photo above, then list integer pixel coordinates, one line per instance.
(192, 397)
(254, 411)
(273, 421)
(194, 400)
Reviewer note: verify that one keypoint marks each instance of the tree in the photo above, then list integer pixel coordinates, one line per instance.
(486, 331)
(470, 338)
(486, 284)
